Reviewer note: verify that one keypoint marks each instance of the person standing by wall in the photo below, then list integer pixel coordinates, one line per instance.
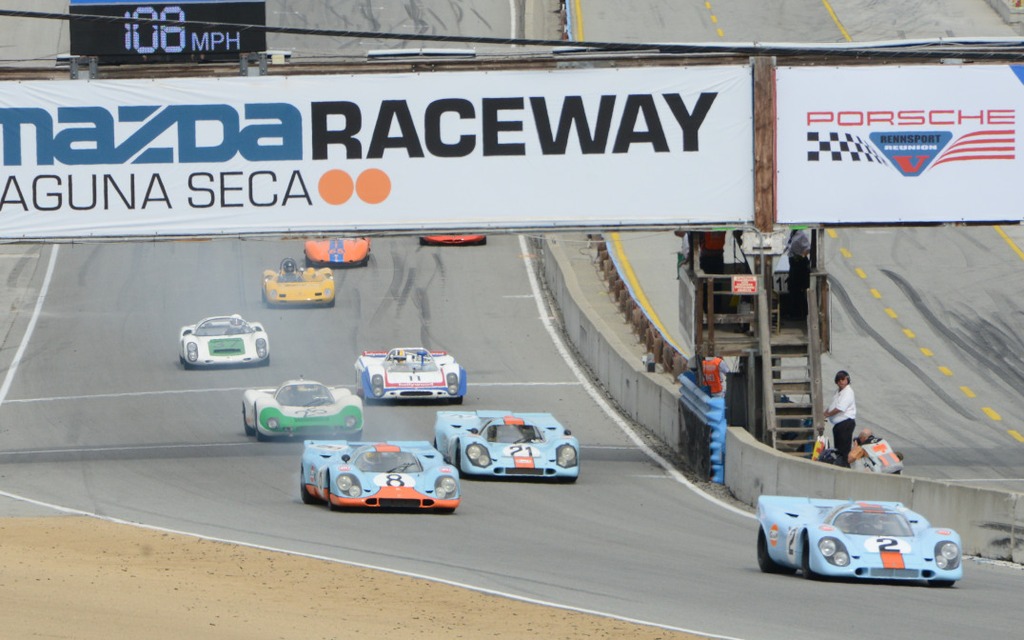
(842, 413)
(714, 370)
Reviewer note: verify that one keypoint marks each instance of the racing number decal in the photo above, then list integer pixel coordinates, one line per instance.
(884, 544)
(521, 451)
(395, 480)
(791, 543)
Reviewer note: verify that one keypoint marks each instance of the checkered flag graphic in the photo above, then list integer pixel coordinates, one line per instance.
(837, 147)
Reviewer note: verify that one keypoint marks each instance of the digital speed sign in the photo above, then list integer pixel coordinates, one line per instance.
(197, 30)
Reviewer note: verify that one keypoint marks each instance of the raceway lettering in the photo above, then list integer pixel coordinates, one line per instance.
(213, 134)
(277, 133)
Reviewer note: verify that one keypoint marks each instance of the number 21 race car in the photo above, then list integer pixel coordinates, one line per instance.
(857, 540)
(506, 444)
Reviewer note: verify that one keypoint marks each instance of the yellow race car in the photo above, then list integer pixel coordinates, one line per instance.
(290, 285)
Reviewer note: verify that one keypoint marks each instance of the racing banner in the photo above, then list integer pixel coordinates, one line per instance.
(899, 144)
(432, 151)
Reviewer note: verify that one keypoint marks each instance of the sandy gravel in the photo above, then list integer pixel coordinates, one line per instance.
(85, 578)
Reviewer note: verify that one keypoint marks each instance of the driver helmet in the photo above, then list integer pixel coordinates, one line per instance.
(289, 265)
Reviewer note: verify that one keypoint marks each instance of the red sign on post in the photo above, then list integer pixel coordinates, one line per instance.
(744, 284)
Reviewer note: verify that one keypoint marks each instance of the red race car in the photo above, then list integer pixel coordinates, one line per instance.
(475, 238)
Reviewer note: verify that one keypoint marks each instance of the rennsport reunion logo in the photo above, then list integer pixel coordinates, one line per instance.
(911, 141)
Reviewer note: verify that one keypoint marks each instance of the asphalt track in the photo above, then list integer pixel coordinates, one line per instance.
(98, 416)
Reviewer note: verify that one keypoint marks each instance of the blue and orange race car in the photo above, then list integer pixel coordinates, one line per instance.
(854, 539)
(507, 444)
(399, 474)
(338, 252)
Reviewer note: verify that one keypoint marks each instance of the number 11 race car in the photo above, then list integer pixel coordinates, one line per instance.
(381, 475)
(411, 373)
(844, 539)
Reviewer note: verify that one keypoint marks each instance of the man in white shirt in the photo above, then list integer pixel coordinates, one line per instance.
(842, 413)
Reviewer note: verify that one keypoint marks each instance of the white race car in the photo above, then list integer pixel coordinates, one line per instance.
(224, 340)
(301, 409)
(410, 374)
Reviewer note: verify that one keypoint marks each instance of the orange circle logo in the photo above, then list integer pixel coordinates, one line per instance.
(336, 187)
(373, 186)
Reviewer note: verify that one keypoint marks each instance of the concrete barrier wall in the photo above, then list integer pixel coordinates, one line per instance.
(990, 522)
(649, 399)
(1011, 11)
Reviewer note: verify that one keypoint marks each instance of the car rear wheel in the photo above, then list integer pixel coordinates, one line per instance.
(805, 561)
(764, 559)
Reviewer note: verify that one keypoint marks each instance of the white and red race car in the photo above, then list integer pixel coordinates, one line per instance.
(410, 373)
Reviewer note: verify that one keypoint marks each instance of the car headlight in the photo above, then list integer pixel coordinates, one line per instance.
(261, 347)
(192, 351)
(478, 455)
(273, 423)
(453, 383)
(348, 485)
(565, 456)
(834, 551)
(377, 385)
(351, 421)
(273, 294)
(947, 555)
(445, 487)
(327, 292)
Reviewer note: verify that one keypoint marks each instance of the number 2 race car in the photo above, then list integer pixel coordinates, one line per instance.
(302, 408)
(410, 374)
(502, 443)
(382, 475)
(224, 340)
(844, 539)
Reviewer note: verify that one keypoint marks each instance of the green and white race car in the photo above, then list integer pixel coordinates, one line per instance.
(301, 409)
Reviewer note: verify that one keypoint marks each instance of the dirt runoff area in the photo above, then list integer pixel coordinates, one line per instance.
(84, 578)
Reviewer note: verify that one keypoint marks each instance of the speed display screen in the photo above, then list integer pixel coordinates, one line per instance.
(196, 30)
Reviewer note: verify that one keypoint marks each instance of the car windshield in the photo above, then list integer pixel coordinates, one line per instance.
(408, 361)
(223, 327)
(388, 462)
(873, 523)
(304, 395)
(512, 433)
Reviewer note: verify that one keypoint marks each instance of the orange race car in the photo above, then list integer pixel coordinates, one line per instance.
(475, 238)
(338, 252)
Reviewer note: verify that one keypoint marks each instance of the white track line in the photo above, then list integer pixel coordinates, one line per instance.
(600, 400)
(9, 378)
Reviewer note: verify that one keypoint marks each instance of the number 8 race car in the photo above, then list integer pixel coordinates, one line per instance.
(390, 475)
(844, 539)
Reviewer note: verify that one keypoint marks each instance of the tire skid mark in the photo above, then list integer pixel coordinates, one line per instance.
(851, 309)
(991, 350)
